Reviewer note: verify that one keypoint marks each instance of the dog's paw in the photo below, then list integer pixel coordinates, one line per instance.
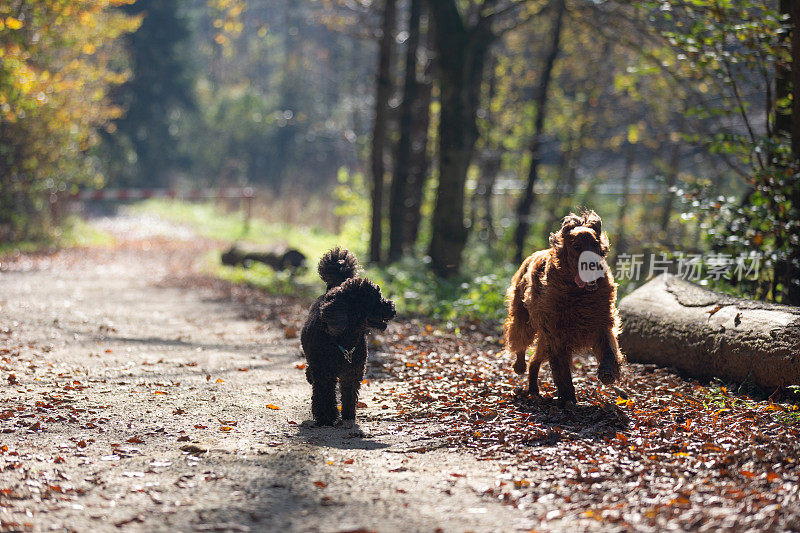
(519, 366)
(568, 404)
(608, 371)
(353, 429)
(608, 374)
(326, 422)
(606, 377)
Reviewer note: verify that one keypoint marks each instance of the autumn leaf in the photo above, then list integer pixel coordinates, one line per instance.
(624, 403)
(300, 366)
(135, 440)
(14, 24)
(272, 406)
(320, 484)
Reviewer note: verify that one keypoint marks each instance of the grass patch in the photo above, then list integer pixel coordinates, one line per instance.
(719, 398)
(475, 296)
(78, 233)
(74, 232)
(209, 222)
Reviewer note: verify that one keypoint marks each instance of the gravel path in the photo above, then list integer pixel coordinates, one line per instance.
(131, 399)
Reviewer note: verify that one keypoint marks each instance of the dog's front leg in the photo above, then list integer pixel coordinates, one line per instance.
(608, 368)
(533, 377)
(323, 401)
(349, 384)
(562, 376)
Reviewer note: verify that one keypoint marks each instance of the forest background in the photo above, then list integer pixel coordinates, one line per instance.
(442, 139)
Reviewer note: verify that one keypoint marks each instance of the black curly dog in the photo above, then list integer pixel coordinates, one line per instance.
(333, 336)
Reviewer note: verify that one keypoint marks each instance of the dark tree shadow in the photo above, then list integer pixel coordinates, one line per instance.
(339, 437)
(581, 421)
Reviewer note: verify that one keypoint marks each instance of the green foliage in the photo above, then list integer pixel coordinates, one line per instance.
(74, 232)
(476, 296)
(209, 222)
(282, 283)
(415, 289)
(58, 62)
(156, 99)
(733, 50)
(280, 92)
(719, 398)
(353, 206)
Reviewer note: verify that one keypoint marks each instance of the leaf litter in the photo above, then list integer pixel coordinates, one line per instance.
(674, 452)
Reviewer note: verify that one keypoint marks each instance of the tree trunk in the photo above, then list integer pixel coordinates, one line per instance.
(420, 160)
(383, 91)
(565, 185)
(525, 205)
(795, 73)
(461, 56)
(489, 165)
(671, 322)
(399, 196)
(456, 140)
(669, 196)
(619, 241)
(793, 267)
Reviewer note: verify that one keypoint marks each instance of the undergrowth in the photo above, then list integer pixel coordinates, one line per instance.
(475, 296)
(720, 398)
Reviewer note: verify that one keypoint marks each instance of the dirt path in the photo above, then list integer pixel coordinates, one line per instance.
(130, 401)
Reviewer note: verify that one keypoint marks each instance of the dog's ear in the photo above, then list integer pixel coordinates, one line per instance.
(570, 221)
(334, 314)
(605, 246)
(593, 221)
(567, 223)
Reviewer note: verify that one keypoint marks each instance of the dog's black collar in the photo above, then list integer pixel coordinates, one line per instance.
(348, 354)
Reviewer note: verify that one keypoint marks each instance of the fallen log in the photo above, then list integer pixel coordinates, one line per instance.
(278, 260)
(671, 322)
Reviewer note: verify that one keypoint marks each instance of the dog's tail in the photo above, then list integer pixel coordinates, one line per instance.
(336, 266)
(517, 330)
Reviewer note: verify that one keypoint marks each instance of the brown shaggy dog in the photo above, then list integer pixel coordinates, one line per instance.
(550, 305)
